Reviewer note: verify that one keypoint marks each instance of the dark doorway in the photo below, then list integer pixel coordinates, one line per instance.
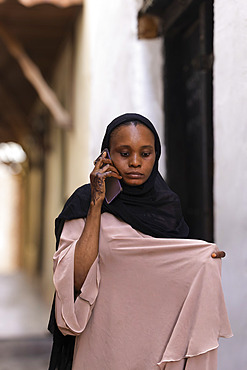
(188, 115)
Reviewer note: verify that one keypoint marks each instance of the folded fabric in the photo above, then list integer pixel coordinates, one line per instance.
(147, 303)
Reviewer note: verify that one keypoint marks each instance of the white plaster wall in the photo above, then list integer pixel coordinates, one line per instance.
(230, 187)
(126, 73)
(53, 205)
(78, 161)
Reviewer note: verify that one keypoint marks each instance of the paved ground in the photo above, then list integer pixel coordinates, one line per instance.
(25, 353)
(24, 341)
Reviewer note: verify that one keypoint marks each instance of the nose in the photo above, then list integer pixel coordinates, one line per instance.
(134, 161)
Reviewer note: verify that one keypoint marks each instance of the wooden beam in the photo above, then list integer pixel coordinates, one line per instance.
(59, 3)
(34, 76)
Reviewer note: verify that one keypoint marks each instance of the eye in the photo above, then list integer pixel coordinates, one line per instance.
(146, 154)
(124, 154)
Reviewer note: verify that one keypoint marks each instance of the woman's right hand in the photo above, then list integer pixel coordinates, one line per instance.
(103, 168)
(87, 246)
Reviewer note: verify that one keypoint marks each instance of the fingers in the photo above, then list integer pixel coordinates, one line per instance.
(111, 174)
(109, 170)
(102, 161)
(218, 254)
(97, 180)
(99, 162)
(105, 167)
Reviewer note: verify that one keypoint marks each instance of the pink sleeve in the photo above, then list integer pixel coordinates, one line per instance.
(72, 317)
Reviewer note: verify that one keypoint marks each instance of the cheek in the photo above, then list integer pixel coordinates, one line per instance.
(118, 163)
(150, 166)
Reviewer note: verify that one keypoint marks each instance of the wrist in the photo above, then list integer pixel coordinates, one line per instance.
(95, 207)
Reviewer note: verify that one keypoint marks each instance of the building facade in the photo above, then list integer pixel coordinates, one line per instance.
(117, 72)
(183, 65)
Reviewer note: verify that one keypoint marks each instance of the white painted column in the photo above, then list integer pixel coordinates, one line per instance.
(126, 73)
(230, 187)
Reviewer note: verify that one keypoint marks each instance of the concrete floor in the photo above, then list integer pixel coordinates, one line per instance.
(24, 340)
(25, 353)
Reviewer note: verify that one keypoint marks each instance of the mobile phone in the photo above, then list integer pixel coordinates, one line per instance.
(113, 186)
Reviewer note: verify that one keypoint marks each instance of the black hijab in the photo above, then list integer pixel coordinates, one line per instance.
(151, 208)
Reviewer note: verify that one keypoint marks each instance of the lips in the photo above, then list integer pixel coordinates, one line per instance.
(134, 175)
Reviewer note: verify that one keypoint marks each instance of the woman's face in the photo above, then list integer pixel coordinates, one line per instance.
(132, 150)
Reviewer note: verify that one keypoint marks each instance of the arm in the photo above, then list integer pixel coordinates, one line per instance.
(88, 244)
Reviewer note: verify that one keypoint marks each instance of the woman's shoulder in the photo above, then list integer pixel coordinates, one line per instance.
(81, 192)
(77, 204)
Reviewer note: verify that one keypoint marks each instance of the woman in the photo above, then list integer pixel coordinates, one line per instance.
(142, 291)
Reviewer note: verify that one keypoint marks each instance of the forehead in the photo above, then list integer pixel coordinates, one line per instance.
(131, 134)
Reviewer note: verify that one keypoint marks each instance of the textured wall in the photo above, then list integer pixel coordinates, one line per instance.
(230, 188)
(126, 73)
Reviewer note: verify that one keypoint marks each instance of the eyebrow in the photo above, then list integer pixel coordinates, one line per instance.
(142, 147)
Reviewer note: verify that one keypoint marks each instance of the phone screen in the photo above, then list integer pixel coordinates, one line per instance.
(113, 186)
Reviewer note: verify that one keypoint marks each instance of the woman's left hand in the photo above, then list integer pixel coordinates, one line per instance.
(218, 254)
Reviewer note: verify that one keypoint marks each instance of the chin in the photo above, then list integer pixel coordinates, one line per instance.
(134, 182)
